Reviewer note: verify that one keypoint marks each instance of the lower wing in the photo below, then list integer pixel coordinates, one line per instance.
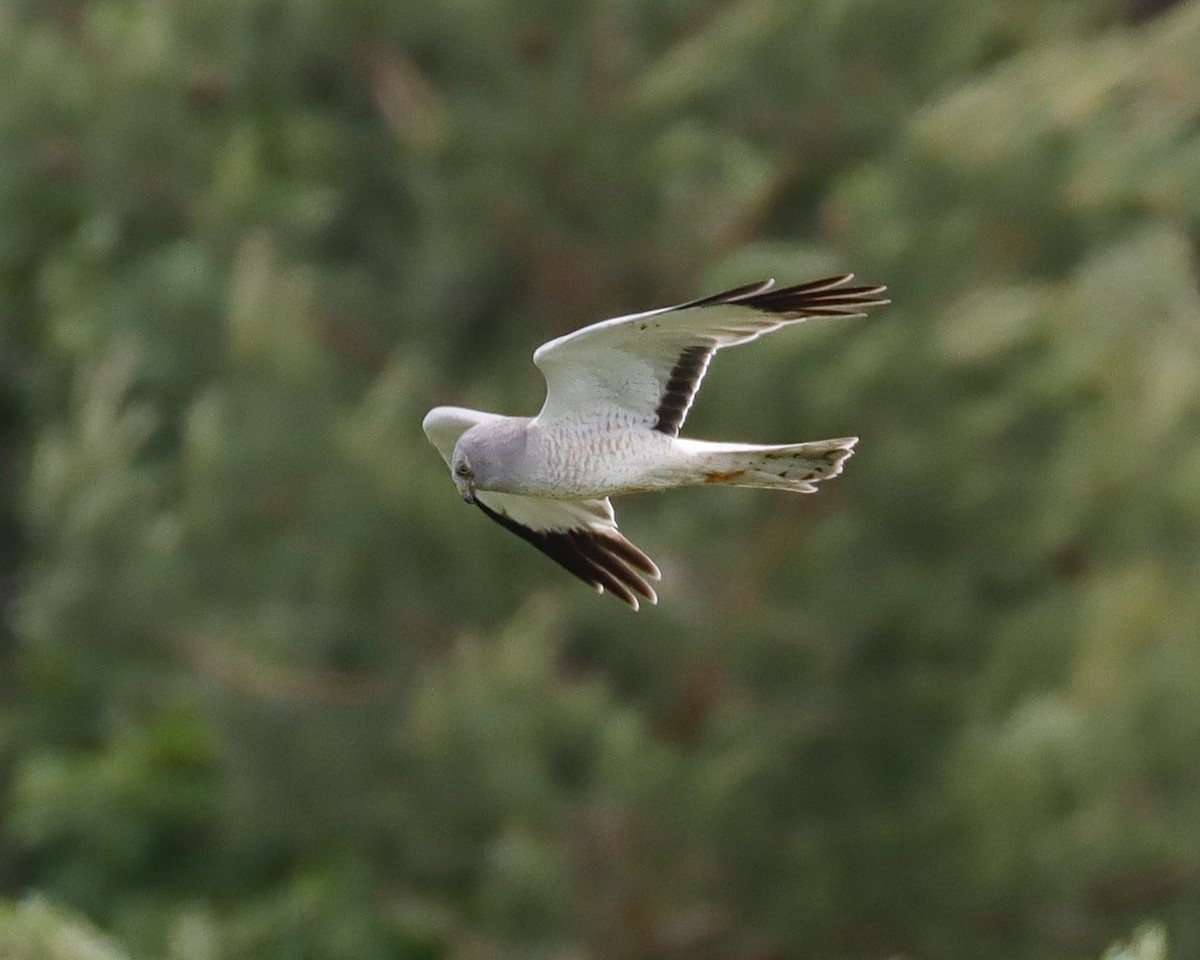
(582, 537)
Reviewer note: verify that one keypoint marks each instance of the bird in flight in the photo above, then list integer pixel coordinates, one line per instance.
(617, 393)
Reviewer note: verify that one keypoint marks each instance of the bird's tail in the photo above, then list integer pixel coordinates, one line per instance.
(797, 467)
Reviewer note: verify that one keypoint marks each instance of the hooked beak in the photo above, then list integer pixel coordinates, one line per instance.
(466, 490)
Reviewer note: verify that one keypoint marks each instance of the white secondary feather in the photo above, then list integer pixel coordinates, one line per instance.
(545, 515)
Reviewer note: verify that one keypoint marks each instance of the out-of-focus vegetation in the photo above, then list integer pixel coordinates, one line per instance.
(268, 690)
(32, 930)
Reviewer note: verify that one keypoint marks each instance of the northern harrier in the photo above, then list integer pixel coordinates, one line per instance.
(617, 393)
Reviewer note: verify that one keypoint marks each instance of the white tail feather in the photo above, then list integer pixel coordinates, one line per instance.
(796, 467)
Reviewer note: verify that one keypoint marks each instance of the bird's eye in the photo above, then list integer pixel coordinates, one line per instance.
(463, 470)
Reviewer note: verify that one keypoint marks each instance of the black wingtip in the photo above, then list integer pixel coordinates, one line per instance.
(730, 296)
(827, 297)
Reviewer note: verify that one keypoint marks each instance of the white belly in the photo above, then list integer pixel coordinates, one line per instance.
(586, 461)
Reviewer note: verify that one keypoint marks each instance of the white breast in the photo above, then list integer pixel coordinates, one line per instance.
(597, 460)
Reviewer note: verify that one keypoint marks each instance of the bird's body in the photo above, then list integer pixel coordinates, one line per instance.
(572, 461)
(586, 463)
(617, 394)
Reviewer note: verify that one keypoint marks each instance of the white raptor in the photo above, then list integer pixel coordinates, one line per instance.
(617, 393)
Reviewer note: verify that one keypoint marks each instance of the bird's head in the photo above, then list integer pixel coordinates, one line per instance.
(464, 476)
(489, 456)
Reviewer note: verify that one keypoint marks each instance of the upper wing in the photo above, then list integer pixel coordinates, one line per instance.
(645, 368)
(580, 535)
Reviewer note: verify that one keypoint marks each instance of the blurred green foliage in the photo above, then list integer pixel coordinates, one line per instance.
(268, 691)
(32, 930)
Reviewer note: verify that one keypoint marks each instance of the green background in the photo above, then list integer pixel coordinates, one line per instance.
(269, 690)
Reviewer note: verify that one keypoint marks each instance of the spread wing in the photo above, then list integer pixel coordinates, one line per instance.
(579, 535)
(646, 368)
(582, 537)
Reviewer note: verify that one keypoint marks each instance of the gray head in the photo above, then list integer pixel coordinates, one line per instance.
(490, 456)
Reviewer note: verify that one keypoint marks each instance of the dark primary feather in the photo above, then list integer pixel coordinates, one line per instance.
(818, 298)
(728, 296)
(827, 297)
(598, 559)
